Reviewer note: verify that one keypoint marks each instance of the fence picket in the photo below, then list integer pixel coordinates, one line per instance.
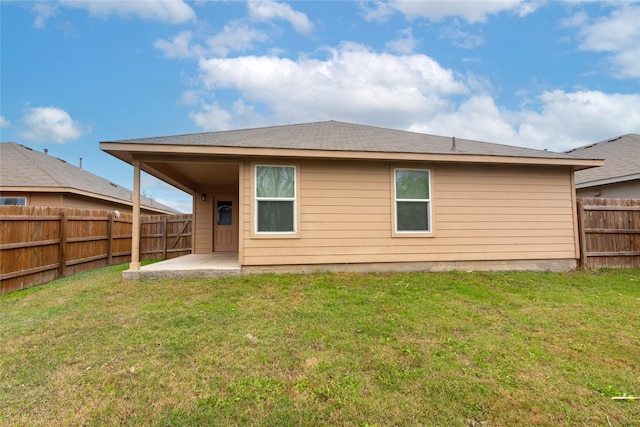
(40, 244)
(609, 232)
(63, 243)
(110, 239)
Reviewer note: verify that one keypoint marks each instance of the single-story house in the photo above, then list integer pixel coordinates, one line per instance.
(32, 178)
(620, 175)
(333, 195)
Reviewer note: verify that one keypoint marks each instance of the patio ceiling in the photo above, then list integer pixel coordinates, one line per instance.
(189, 176)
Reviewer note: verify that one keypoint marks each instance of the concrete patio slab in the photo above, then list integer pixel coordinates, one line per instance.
(194, 265)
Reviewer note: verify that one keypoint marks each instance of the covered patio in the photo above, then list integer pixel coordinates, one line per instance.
(194, 266)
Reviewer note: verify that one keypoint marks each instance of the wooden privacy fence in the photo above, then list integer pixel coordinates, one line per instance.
(609, 232)
(40, 244)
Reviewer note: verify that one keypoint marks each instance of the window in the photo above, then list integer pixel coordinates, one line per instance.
(13, 201)
(275, 199)
(225, 213)
(413, 201)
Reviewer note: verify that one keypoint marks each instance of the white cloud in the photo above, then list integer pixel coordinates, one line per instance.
(578, 19)
(460, 38)
(179, 46)
(617, 34)
(566, 120)
(555, 120)
(476, 118)
(235, 37)
(4, 122)
(411, 91)
(50, 124)
(180, 203)
(167, 11)
(528, 7)
(404, 43)
(268, 9)
(353, 83)
(609, 33)
(408, 92)
(161, 192)
(468, 10)
(43, 11)
(471, 11)
(378, 11)
(212, 117)
(190, 97)
(558, 121)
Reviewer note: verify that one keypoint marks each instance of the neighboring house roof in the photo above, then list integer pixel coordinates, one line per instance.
(345, 137)
(23, 168)
(622, 161)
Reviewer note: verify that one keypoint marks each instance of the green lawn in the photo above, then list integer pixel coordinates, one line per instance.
(443, 349)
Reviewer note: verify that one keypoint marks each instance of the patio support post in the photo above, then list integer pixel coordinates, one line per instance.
(135, 226)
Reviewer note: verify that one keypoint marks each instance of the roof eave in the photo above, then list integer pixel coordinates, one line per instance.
(608, 181)
(129, 203)
(156, 152)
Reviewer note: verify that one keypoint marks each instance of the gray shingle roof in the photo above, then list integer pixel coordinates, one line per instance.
(339, 136)
(622, 160)
(24, 167)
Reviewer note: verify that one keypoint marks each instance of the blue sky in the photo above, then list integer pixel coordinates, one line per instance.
(545, 74)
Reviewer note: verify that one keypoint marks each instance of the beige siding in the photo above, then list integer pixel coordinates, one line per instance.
(620, 190)
(503, 213)
(203, 226)
(45, 199)
(82, 202)
(247, 207)
(480, 213)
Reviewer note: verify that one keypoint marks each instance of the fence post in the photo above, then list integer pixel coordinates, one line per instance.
(110, 239)
(582, 235)
(63, 243)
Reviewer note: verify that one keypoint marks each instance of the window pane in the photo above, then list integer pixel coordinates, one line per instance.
(225, 213)
(412, 184)
(275, 216)
(275, 181)
(13, 201)
(412, 216)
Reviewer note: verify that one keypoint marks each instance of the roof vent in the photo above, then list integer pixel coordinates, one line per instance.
(453, 143)
(46, 151)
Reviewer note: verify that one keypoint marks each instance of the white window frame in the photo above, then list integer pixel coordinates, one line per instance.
(428, 201)
(277, 199)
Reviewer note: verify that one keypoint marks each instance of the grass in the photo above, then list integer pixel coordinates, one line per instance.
(443, 349)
